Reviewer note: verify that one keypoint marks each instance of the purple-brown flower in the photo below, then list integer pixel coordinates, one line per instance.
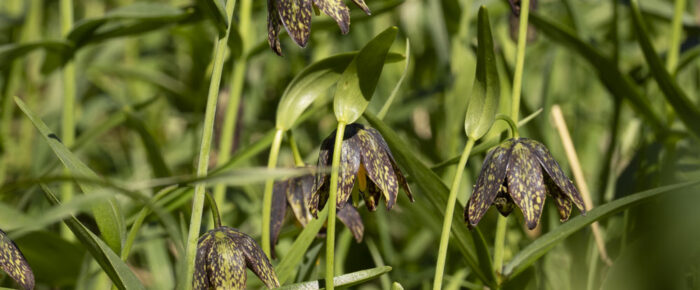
(13, 263)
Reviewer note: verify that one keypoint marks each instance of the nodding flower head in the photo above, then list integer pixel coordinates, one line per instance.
(296, 193)
(364, 157)
(295, 16)
(521, 171)
(223, 254)
(13, 263)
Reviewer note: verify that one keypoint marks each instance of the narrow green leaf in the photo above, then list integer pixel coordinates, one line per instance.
(153, 152)
(107, 213)
(43, 249)
(435, 191)
(358, 82)
(118, 271)
(688, 112)
(214, 9)
(346, 280)
(10, 52)
(286, 268)
(539, 247)
(313, 82)
(483, 102)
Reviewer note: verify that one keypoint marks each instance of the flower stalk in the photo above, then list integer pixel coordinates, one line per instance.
(520, 59)
(332, 193)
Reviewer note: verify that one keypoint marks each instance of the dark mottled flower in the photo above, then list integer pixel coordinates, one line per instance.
(13, 263)
(222, 257)
(522, 172)
(365, 156)
(296, 192)
(295, 16)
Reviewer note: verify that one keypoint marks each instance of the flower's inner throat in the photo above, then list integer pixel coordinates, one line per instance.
(362, 178)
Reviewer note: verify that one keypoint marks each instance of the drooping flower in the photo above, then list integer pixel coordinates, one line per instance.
(296, 192)
(222, 257)
(521, 172)
(364, 157)
(13, 263)
(295, 16)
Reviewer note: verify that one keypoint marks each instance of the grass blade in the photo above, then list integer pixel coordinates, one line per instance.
(346, 280)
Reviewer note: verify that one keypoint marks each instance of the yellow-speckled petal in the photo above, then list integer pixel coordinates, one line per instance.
(255, 258)
(371, 195)
(320, 188)
(273, 27)
(298, 197)
(13, 263)
(563, 203)
(363, 6)
(296, 18)
(399, 175)
(526, 184)
(226, 264)
(379, 168)
(491, 177)
(351, 219)
(337, 10)
(201, 279)
(552, 168)
(349, 165)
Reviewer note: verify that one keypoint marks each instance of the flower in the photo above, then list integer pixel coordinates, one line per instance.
(297, 193)
(295, 15)
(521, 171)
(365, 156)
(222, 257)
(13, 263)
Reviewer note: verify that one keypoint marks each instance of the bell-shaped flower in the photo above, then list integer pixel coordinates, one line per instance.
(295, 16)
(521, 171)
(13, 263)
(296, 193)
(223, 254)
(365, 157)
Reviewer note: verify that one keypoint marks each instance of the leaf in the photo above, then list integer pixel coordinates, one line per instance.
(285, 269)
(118, 272)
(346, 280)
(687, 111)
(435, 191)
(107, 213)
(483, 102)
(619, 84)
(311, 83)
(214, 9)
(539, 247)
(43, 249)
(10, 52)
(153, 152)
(359, 80)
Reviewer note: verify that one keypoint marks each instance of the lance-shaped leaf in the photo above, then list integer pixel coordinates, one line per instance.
(483, 102)
(13, 263)
(358, 82)
(346, 280)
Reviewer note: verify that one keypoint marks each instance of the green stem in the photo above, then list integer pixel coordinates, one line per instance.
(501, 227)
(330, 232)
(67, 121)
(520, 58)
(214, 210)
(267, 195)
(298, 161)
(228, 130)
(449, 215)
(205, 148)
(513, 127)
(676, 29)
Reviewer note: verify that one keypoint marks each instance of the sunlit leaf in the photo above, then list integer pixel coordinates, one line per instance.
(346, 280)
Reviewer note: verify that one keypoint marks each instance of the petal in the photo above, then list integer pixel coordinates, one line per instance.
(363, 6)
(296, 17)
(279, 209)
(351, 219)
(13, 263)
(372, 194)
(298, 196)
(200, 280)
(399, 175)
(255, 258)
(337, 10)
(554, 171)
(349, 164)
(563, 203)
(226, 265)
(379, 168)
(526, 184)
(273, 27)
(492, 174)
(320, 188)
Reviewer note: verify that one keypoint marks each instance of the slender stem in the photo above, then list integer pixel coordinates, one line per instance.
(214, 210)
(498, 245)
(449, 215)
(67, 121)
(330, 232)
(513, 127)
(267, 195)
(676, 29)
(205, 148)
(298, 161)
(228, 130)
(520, 58)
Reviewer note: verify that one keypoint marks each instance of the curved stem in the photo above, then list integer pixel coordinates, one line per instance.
(330, 232)
(214, 210)
(449, 215)
(205, 148)
(513, 127)
(267, 195)
(501, 227)
(520, 58)
(674, 45)
(298, 161)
